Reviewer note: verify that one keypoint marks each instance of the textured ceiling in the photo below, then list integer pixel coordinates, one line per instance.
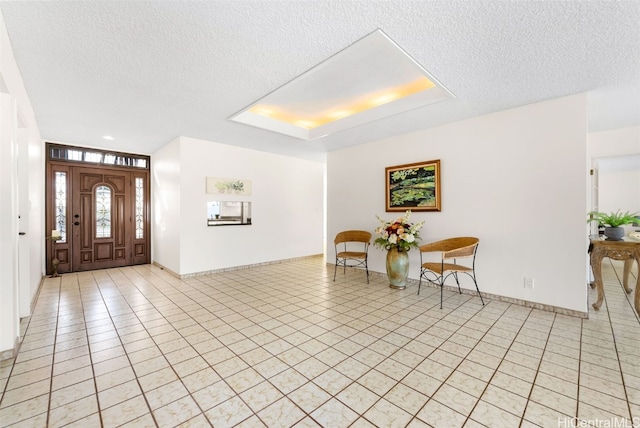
(146, 72)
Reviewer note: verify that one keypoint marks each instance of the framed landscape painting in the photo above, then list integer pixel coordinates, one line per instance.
(415, 187)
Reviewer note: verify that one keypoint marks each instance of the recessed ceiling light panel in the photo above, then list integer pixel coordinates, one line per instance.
(371, 79)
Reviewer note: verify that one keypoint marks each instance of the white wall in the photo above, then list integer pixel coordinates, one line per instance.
(616, 154)
(9, 316)
(22, 195)
(516, 179)
(287, 207)
(165, 212)
(616, 142)
(35, 213)
(619, 190)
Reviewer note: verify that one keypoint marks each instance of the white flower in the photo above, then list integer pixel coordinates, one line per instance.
(407, 237)
(393, 239)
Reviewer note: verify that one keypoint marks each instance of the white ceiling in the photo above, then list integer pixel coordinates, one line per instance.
(146, 72)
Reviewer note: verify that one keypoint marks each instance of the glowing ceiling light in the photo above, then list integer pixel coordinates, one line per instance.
(383, 99)
(263, 111)
(377, 79)
(340, 114)
(351, 108)
(308, 124)
(108, 137)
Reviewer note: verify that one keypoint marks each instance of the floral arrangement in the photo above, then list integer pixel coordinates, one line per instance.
(398, 233)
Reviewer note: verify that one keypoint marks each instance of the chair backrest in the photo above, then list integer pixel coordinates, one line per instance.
(353, 236)
(453, 247)
(461, 247)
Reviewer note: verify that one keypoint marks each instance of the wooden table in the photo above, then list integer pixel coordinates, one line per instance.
(627, 250)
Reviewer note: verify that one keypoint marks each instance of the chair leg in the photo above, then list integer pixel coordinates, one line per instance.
(477, 289)
(455, 275)
(335, 270)
(366, 267)
(441, 288)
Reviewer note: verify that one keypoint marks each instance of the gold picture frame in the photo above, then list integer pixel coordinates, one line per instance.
(414, 186)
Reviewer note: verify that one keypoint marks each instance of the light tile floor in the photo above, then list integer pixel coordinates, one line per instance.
(283, 345)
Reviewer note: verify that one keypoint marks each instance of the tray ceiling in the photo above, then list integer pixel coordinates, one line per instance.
(146, 72)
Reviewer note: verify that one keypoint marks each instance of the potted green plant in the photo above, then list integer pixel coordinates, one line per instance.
(613, 222)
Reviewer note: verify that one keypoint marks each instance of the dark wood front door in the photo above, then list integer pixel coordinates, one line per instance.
(102, 219)
(103, 216)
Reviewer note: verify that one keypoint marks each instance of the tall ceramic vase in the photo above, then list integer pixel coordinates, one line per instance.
(397, 268)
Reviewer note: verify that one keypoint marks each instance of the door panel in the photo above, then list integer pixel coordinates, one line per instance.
(83, 211)
(120, 217)
(103, 205)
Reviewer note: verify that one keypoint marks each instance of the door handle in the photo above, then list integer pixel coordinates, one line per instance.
(22, 233)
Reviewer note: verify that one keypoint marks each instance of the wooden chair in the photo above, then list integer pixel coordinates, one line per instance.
(351, 241)
(450, 251)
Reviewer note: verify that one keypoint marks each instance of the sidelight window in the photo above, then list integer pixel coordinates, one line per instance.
(61, 204)
(139, 208)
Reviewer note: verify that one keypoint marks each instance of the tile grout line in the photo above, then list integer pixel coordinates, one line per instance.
(243, 303)
(294, 346)
(312, 356)
(95, 383)
(55, 344)
(533, 382)
(524, 321)
(15, 361)
(415, 416)
(222, 378)
(190, 394)
(124, 349)
(580, 366)
(615, 342)
(610, 324)
(398, 382)
(306, 414)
